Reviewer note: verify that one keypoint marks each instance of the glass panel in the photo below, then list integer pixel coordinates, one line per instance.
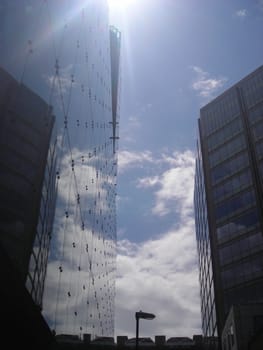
(259, 149)
(234, 205)
(235, 184)
(243, 272)
(224, 134)
(216, 115)
(227, 150)
(238, 226)
(239, 249)
(253, 90)
(258, 131)
(256, 114)
(229, 167)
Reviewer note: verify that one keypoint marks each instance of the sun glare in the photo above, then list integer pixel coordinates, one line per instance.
(120, 4)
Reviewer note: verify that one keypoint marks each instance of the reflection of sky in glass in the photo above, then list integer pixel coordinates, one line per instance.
(233, 187)
(206, 275)
(61, 50)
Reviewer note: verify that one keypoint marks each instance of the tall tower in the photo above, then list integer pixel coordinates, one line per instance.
(228, 201)
(67, 54)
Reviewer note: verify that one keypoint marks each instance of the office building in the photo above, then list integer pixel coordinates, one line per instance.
(68, 55)
(27, 205)
(228, 201)
(243, 327)
(27, 181)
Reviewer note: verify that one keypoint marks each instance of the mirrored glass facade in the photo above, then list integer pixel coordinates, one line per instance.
(206, 278)
(229, 160)
(65, 52)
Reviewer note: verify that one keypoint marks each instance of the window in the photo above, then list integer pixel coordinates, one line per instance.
(223, 111)
(229, 167)
(253, 90)
(256, 114)
(257, 131)
(243, 272)
(241, 248)
(238, 225)
(227, 132)
(234, 205)
(236, 183)
(227, 150)
(259, 149)
(258, 323)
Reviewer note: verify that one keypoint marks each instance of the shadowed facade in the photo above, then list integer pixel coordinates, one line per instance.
(228, 201)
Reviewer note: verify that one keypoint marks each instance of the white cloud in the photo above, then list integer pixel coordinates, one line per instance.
(174, 186)
(176, 191)
(138, 159)
(178, 159)
(161, 275)
(134, 122)
(127, 159)
(205, 85)
(148, 182)
(130, 128)
(242, 13)
(158, 275)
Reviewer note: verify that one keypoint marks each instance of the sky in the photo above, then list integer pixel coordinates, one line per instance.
(176, 56)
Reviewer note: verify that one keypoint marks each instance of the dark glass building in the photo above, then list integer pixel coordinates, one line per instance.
(66, 53)
(228, 201)
(27, 181)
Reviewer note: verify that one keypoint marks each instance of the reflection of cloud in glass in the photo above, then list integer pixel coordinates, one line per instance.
(62, 52)
(85, 172)
(244, 223)
(62, 82)
(84, 245)
(80, 284)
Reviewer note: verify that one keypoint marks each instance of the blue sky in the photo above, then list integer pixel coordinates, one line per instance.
(177, 55)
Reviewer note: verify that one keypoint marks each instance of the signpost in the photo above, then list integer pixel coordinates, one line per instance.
(145, 316)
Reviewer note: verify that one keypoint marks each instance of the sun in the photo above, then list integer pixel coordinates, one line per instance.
(120, 4)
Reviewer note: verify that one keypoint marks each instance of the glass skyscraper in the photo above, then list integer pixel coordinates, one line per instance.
(66, 53)
(228, 201)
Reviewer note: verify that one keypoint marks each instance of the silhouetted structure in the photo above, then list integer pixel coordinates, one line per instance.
(243, 327)
(22, 324)
(123, 343)
(228, 201)
(27, 176)
(27, 203)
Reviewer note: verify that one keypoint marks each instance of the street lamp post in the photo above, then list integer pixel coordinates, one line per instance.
(145, 316)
